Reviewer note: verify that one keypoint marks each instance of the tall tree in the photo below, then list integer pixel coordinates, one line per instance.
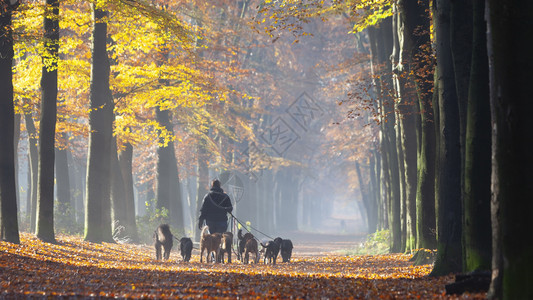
(448, 191)
(167, 173)
(410, 18)
(8, 202)
(62, 178)
(416, 64)
(477, 227)
(47, 132)
(510, 64)
(381, 48)
(33, 158)
(125, 160)
(98, 204)
(118, 191)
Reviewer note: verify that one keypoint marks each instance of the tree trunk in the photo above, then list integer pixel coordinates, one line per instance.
(45, 195)
(98, 204)
(416, 59)
(202, 183)
(34, 165)
(373, 219)
(125, 160)
(63, 182)
(384, 48)
(16, 139)
(461, 47)
(399, 92)
(510, 65)
(118, 194)
(168, 190)
(8, 203)
(449, 246)
(477, 236)
(407, 111)
(163, 185)
(368, 202)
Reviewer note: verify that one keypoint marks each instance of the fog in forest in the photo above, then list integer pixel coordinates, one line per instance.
(311, 129)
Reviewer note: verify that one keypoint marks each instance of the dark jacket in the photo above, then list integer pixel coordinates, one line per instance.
(216, 205)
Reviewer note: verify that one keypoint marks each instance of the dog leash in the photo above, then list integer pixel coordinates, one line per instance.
(244, 226)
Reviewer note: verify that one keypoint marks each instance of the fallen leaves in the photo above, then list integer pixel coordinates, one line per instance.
(74, 268)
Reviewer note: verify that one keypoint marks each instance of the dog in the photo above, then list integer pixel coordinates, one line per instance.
(186, 248)
(271, 249)
(285, 248)
(251, 247)
(162, 238)
(225, 246)
(242, 242)
(210, 243)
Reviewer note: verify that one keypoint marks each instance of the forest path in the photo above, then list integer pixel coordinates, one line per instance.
(323, 244)
(76, 269)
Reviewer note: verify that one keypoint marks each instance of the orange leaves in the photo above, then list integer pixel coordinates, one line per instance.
(74, 268)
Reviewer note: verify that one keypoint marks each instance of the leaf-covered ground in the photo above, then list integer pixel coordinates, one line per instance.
(77, 269)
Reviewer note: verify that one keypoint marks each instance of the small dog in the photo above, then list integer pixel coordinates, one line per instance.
(186, 248)
(242, 242)
(225, 246)
(162, 238)
(271, 249)
(210, 243)
(251, 247)
(285, 248)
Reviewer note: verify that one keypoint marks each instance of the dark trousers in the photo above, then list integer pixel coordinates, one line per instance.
(217, 226)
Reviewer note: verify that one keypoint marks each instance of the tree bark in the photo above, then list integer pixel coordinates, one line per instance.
(415, 58)
(125, 160)
(477, 236)
(510, 65)
(202, 185)
(461, 47)
(118, 193)
(8, 201)
(407, 111)
(45, 185)
(168, 191)
(399, 92)
(98, 204)
(449, 214)
(63, 182)
(34, 165)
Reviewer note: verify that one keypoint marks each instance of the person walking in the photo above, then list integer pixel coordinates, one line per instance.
(215, 207)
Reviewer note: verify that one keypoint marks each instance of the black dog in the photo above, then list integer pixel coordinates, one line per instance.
(271, 252)
(162, 238)
(285, 248)
(186, 248)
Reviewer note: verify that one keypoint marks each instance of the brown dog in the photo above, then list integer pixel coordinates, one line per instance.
(210, 243)
(242, 242)
(251, 247)
(225, 246)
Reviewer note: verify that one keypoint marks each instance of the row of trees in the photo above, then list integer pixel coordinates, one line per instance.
(161, 103)
(443, 156)
(450, 167)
